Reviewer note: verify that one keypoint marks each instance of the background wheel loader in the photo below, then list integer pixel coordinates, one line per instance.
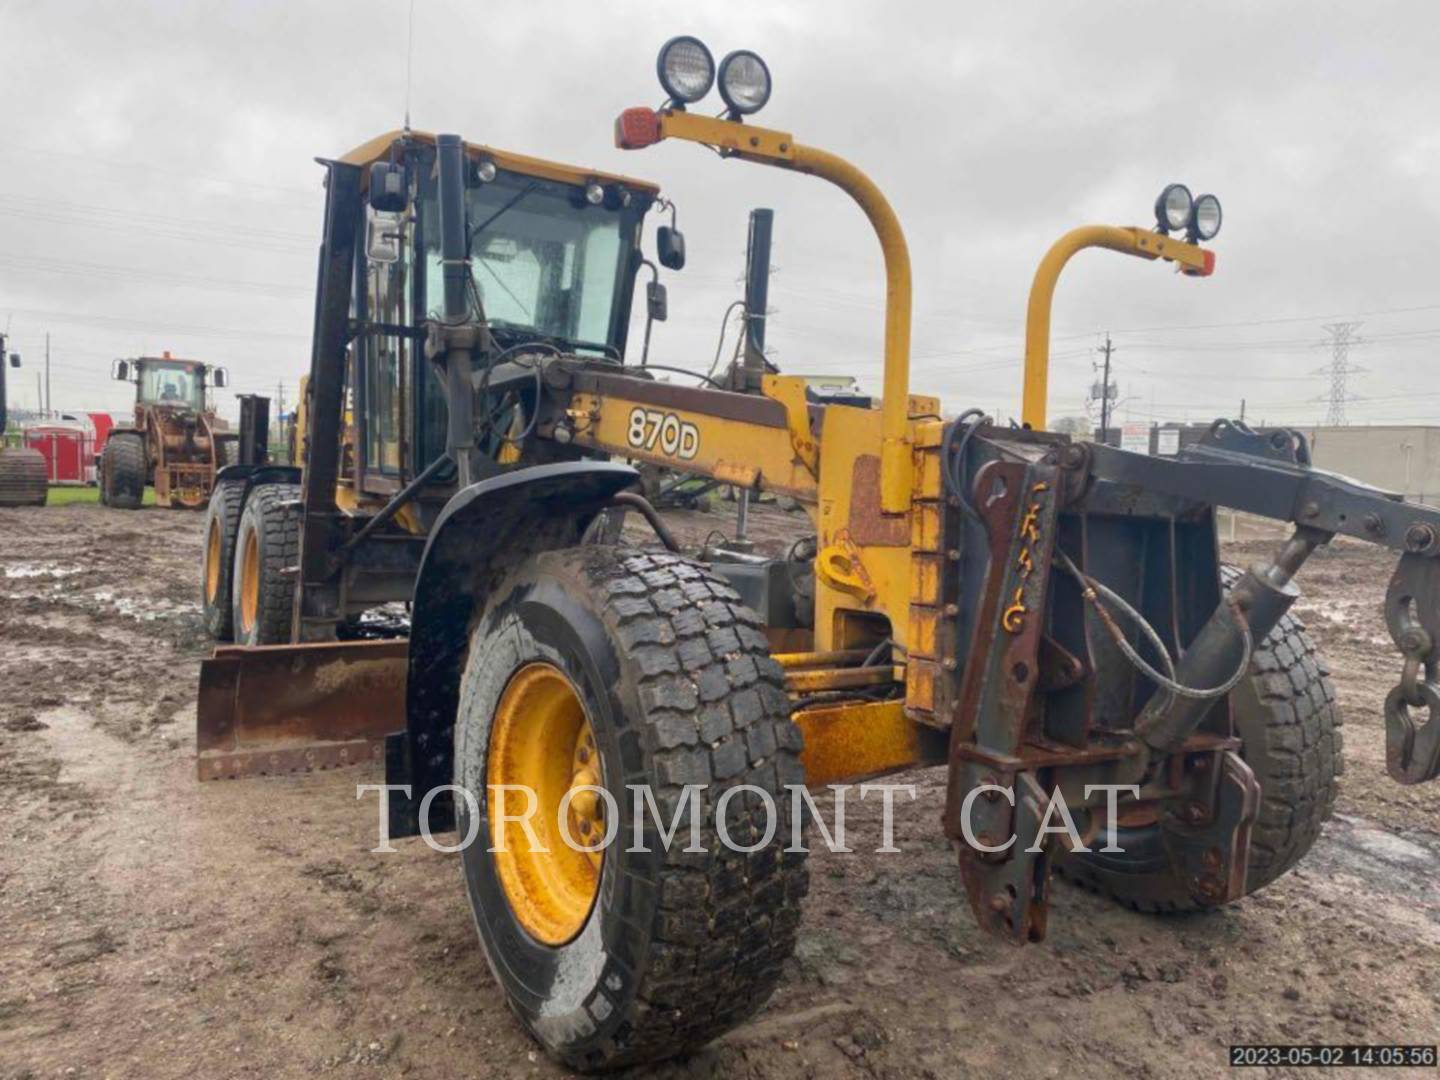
(1047, 619)
(176, 443)
(24, 480)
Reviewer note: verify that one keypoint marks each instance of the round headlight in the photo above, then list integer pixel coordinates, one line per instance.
(744, 82)
(1172, 209)
(686, 69)
(594, 193)
(485, 170)
(1205, 218)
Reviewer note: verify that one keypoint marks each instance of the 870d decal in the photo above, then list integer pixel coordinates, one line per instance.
(650, 429)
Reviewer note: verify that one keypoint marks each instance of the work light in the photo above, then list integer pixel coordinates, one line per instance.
(485, 170)
(744, 82)
(1172, 209)
(686, 69)
(1205, 218)
(594, 193)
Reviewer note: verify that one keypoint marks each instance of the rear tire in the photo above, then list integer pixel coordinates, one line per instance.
(1289, 723)
(24, 480)
(122, 473)
(267, 544)
(217, 567)
(678, 688)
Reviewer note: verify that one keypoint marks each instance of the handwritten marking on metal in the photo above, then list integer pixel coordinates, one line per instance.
(1013, 618)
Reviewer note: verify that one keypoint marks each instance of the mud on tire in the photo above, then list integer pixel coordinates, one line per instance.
(267, 543)
(122, 471)
(677, 683)
(24, 479)
(217, 565)
(1289, 722)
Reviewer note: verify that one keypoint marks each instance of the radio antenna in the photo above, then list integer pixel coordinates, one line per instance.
(409, 62)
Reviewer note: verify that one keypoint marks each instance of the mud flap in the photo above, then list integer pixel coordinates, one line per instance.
(298, 708)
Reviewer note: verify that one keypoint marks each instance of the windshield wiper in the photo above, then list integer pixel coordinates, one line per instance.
(526, 190)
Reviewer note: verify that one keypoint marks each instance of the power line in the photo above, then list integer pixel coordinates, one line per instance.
(166, 170)
(146, 326)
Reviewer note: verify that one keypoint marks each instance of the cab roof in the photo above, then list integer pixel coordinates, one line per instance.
(378, 148)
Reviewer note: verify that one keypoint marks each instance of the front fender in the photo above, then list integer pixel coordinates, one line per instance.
(484, 531)
(259, 474)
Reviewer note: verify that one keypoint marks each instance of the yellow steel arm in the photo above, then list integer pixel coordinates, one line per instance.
(780, 149)
(1129, 240)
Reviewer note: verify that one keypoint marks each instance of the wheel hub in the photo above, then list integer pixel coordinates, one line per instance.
(249, 583)
(542, 758)
(212, 563)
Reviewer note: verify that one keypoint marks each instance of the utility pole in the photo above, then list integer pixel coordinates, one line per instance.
(1242, 410)
(47, 375)
(1342, 336)
(1104, 391)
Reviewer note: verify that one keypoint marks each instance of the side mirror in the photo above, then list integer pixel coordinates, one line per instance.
(389, 188)
(220, 377)
(120, 370)
(657, 301)
(382, 237)
(670, 247)
(14, 359)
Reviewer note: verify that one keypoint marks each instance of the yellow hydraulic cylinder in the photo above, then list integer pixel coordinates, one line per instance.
(642, 127)
(1129, 240)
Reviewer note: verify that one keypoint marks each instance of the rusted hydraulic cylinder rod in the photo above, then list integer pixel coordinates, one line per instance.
(1262, 595)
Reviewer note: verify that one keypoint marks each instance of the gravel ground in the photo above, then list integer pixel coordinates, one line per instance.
(158, 927)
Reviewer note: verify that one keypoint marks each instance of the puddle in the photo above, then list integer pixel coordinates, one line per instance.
(143, 609)
(41, 570)
(1405, 864)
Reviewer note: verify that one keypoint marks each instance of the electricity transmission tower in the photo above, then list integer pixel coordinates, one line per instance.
(1342, 336)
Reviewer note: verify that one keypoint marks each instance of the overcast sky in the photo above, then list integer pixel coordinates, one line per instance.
(158, 186)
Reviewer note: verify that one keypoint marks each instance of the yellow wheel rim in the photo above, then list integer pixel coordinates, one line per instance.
(249, 582)
(212, 563)
(541, 739)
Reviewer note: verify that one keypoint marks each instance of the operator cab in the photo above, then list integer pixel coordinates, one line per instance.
(553, 255)
(166, 381)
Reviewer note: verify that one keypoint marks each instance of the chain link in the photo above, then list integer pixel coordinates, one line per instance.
(1415, 646)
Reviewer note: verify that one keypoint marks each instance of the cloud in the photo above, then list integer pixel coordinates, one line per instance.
(159, 188)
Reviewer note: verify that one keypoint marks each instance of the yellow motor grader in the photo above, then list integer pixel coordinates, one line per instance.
(1049, 619)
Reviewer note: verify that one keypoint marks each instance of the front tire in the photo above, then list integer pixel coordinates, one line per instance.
(672, 678)
(217, 568)
(1289, 724)
(122, 471)
(267, 545)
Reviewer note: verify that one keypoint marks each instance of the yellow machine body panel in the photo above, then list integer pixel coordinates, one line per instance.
(738, 452)
(378, 149)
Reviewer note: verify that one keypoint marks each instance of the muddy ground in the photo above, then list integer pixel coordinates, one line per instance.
(156, 927)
